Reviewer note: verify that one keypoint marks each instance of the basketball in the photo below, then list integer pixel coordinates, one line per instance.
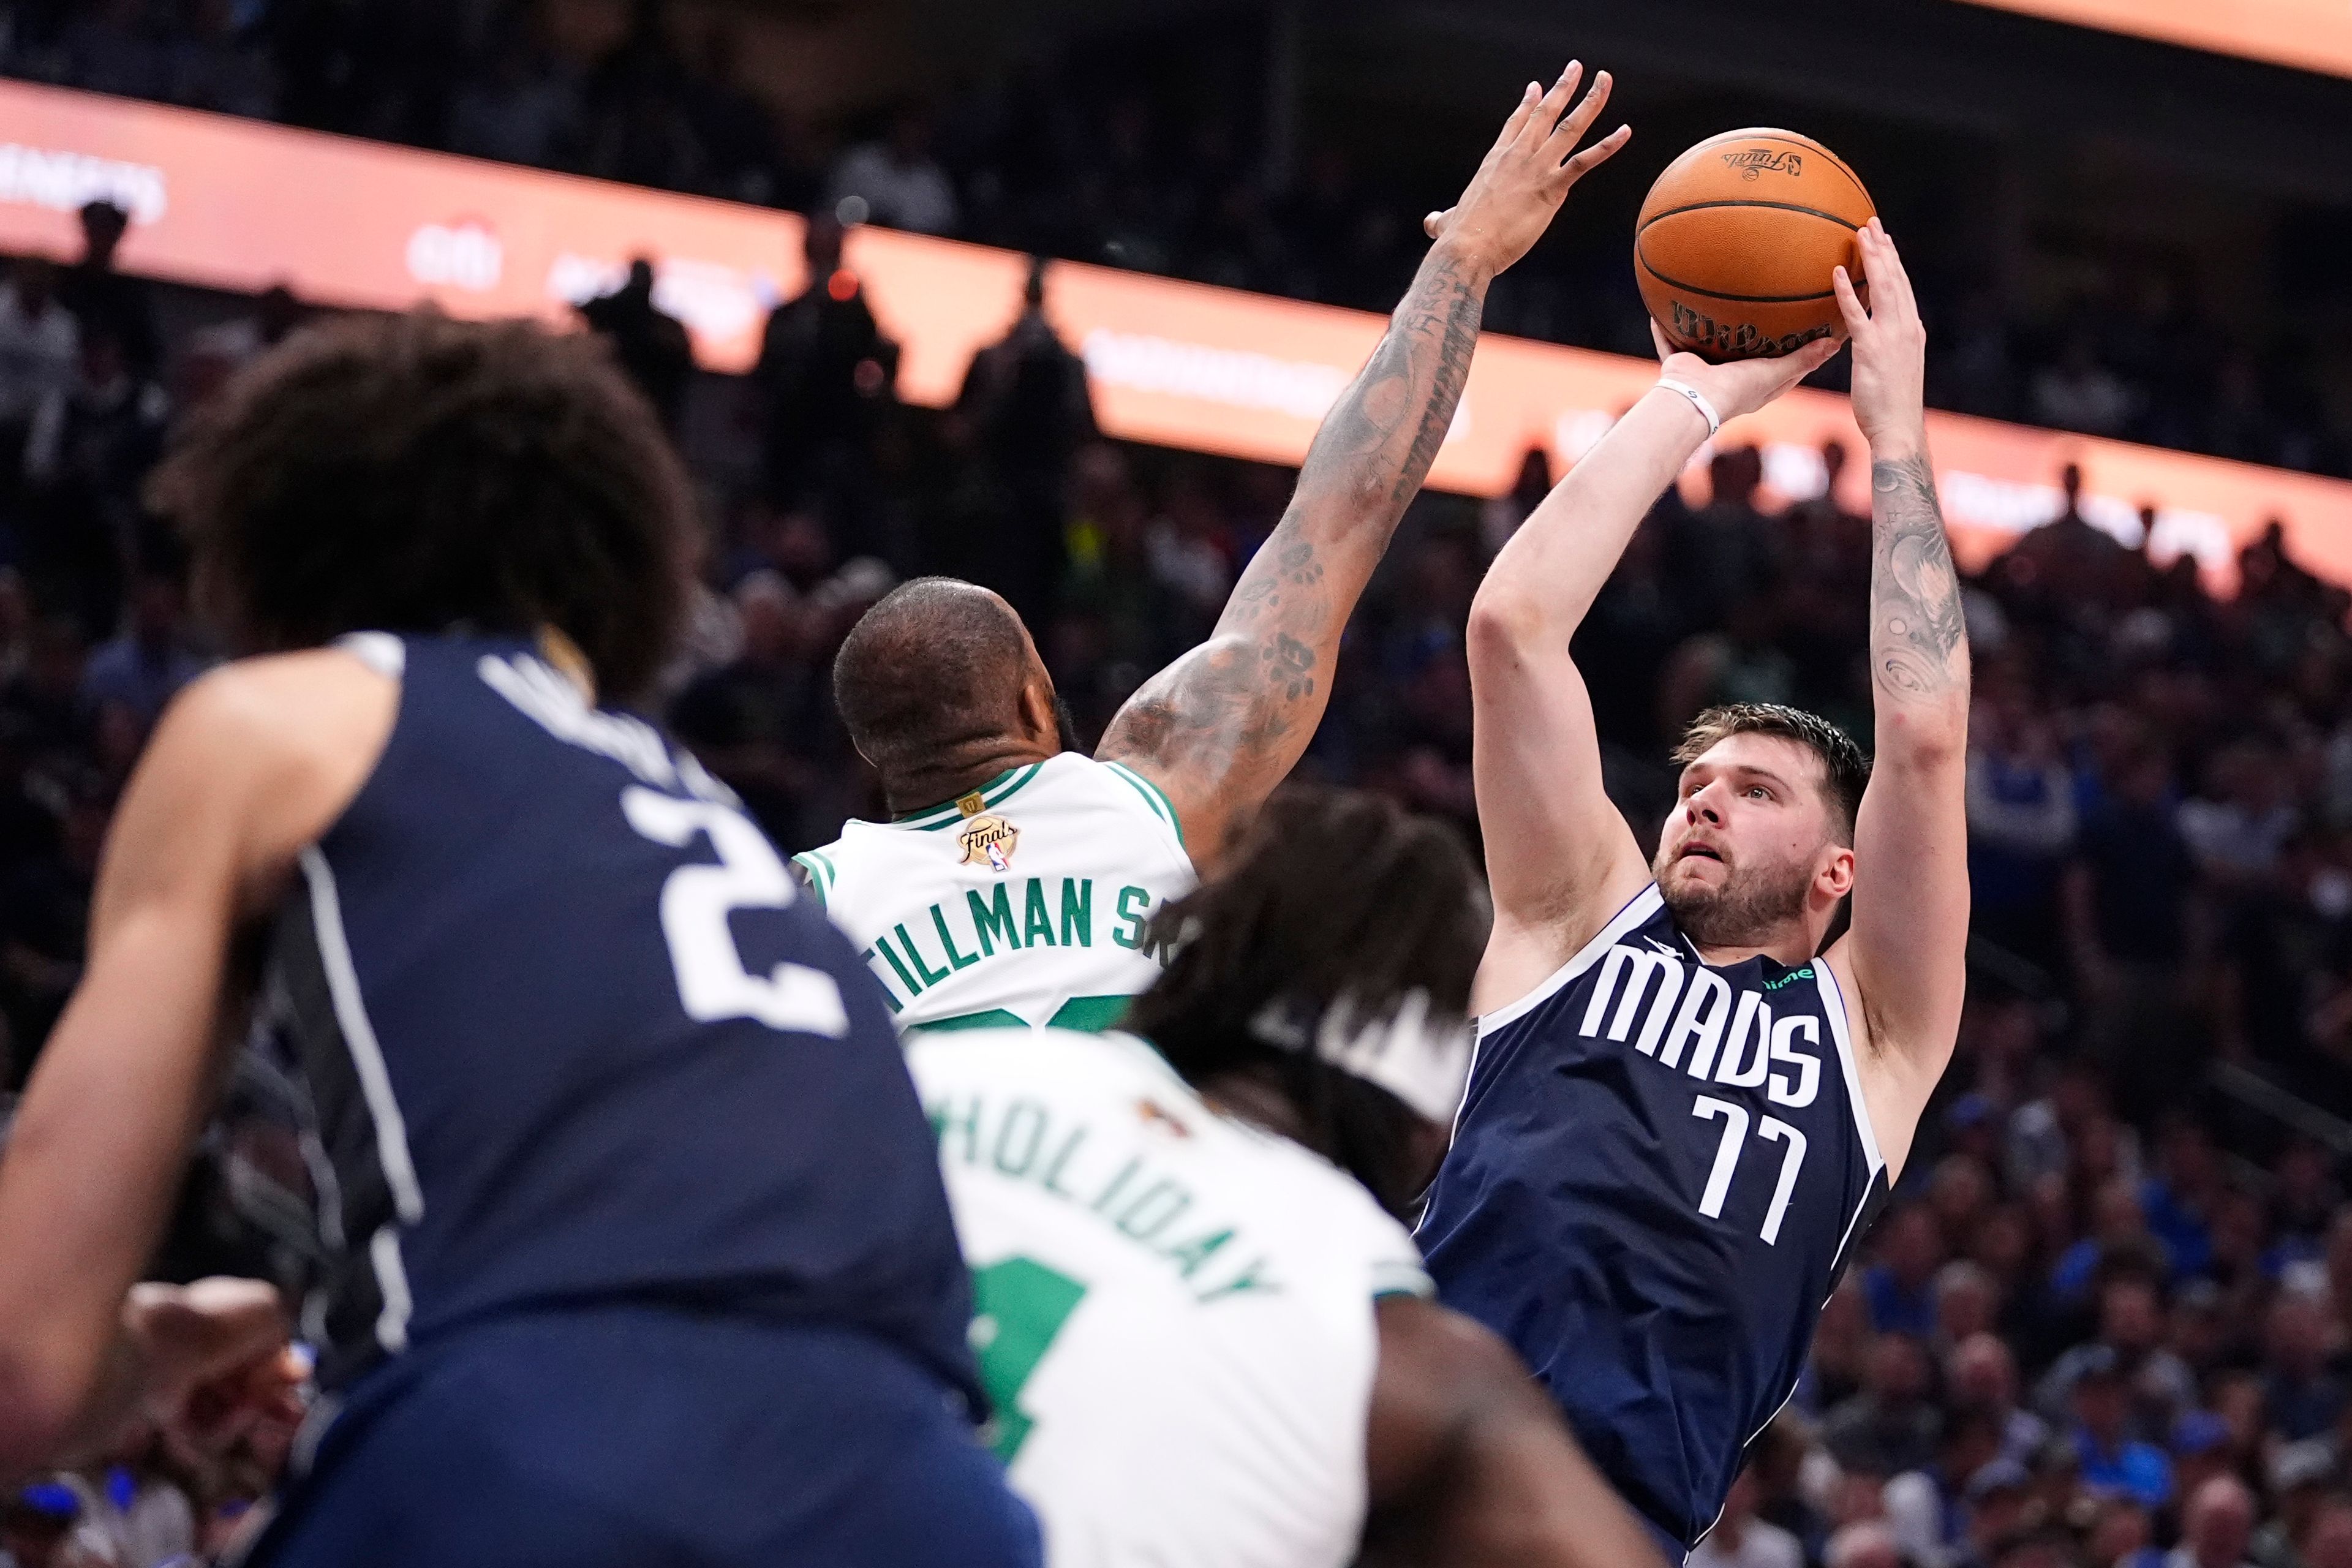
(1737, 240)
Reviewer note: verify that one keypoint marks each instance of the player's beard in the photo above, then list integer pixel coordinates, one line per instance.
(1751, 907)
(1066, 725)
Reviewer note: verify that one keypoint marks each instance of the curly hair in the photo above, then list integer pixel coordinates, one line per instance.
(1331, 896)
(416, 474)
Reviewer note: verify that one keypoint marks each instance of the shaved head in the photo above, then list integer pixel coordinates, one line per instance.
(936, 665)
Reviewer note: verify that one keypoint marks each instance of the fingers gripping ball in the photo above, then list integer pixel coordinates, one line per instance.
(1737, 238)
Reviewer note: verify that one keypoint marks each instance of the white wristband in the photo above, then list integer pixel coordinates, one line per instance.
(1698, 400)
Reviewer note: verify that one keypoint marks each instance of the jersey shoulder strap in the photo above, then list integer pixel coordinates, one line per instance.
(818, 869)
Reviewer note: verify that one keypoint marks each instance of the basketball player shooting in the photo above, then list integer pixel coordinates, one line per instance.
(1681, 1105)
(1016, 882)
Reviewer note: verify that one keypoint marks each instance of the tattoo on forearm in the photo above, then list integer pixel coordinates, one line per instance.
(1243, 701)
(1916, 624)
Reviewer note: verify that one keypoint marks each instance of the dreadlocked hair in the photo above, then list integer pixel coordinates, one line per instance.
(416, 474)
(1332, 897)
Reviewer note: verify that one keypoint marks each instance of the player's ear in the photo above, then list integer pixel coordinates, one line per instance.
(1038, 723)
(1836, 875)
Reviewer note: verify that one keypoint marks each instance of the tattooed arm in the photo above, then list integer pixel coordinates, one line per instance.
(1907, 949)
(1221, 726)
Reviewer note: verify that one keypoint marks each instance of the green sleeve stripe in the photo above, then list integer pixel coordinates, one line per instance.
(1400, 1279)
(815, 868)
(1154, 797)
(1090, 1015)
(994, 1018)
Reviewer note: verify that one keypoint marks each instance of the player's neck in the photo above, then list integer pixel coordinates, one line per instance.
(1792, 951)
(1792, 943)
(968, 769)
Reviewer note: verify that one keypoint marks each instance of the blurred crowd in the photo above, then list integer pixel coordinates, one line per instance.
(2107, 1321)
(1153, 153)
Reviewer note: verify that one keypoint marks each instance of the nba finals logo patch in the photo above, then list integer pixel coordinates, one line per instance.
(990, 840)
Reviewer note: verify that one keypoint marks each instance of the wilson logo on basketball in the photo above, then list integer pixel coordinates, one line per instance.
(1751, 162)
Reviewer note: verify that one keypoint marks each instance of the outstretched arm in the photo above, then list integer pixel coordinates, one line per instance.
(1558, 856)
(1470, 1465)
(1221, 726)
(230, 787)
(1907, 947)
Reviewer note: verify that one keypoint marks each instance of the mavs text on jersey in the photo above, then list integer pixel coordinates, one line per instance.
(1658, 1175)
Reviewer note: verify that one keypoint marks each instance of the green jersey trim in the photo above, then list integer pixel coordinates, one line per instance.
(1154, 797)
(1090, 1015)
(1400, 1279)
(821, 873)
(994, 1018)
(993, 793)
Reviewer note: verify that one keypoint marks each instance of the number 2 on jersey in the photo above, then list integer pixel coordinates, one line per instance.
(1018, 1305)
(1726, 1159)
(712, 983)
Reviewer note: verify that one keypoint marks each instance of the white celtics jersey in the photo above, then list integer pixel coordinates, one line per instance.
(1026, 902)
(1174, 1311)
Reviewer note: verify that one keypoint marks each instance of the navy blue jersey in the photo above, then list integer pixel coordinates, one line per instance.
(544, 1021)
(1658, 1171)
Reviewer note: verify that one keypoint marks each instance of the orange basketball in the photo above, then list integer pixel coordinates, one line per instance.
(1737, 240)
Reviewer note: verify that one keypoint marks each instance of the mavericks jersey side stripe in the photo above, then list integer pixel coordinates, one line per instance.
(1833, 1005)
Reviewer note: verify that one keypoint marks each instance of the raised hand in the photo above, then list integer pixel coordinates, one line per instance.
(1890, 349)
(1742, 385)
(1526, 174)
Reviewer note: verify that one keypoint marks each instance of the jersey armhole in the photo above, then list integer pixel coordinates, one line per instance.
(1637, 911)
(817, 873)
(1156, 799)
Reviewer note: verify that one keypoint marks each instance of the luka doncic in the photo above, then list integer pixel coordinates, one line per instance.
(1683, 1102)
(628, 1243)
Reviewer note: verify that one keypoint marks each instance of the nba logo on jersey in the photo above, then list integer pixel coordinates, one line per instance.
(991, 839)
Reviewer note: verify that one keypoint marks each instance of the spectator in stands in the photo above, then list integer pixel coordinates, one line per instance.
(1740, 1539)
(748, 719)
(1927, 1508)
(2299, 1477)
(2111, 1461)
(2078, 393)
(825, 376)
(895, 181)
(2303, 1398)
(40, 353)
(2216, 1527)
(650, 343)
(1867, 1543)
(1023, 415)
(104, 299)
(1900, 1287)
(144, 667)
(1891, 1426)
(1980, 1378)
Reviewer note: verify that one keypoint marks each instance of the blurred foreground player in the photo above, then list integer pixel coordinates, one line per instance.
(1208, 1338)
(1681, 1105)
(632, 1246)
(1017, 882)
